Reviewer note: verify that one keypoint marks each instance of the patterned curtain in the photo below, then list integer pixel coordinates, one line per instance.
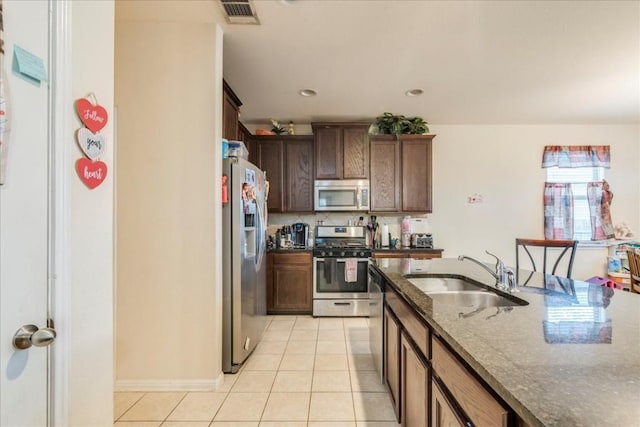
(599, 197)
(576, 156)
(558, 211)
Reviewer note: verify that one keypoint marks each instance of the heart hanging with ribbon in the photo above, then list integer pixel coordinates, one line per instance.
(91, 173)
(92, 144)
(93, 116)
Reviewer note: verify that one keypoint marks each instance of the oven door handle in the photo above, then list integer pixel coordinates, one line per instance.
(359, 259)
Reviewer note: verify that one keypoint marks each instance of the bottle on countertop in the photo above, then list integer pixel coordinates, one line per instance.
(405, 235)
(278, 238)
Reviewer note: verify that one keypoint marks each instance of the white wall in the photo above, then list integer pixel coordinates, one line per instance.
(503, 164)
(168, 95)
(89, 288)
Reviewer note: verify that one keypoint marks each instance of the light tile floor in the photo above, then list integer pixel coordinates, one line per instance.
(306, 372)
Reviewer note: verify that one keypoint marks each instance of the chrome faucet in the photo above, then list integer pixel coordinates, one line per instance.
(505, 278)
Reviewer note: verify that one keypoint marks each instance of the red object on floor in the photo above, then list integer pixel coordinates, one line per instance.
(597, 280)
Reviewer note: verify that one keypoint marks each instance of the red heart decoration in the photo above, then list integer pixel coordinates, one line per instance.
(94, 117)
(91, 173)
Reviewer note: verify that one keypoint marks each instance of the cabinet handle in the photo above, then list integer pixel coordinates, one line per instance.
(341, 303)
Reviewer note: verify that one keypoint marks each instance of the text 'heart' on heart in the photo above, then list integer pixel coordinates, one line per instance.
(92, 144)
(94, 117)
(91, 173)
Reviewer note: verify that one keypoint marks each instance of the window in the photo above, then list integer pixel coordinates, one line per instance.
(578, 177)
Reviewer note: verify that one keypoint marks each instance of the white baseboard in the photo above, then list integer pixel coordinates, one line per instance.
(169, 385)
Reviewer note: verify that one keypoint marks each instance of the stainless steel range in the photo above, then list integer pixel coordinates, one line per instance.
(340, 271)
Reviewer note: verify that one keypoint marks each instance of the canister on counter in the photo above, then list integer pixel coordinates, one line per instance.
(405, 239)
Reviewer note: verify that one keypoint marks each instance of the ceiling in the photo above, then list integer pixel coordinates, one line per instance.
(478, 62)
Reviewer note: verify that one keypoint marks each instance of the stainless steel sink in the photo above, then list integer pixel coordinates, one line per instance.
(475, 299)
(462, 292)
(444, 284)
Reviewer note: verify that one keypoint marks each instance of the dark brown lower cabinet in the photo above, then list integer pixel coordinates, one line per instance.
(428, 382)
(414, 382)
(442, 413)
(392, 360)
(290, 287)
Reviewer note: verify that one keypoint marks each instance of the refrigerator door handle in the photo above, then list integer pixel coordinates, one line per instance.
(261, 236)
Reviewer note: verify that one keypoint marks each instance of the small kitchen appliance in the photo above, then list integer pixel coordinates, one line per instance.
(340, 271)
(299, 234)
(420, 233)
(342, 195)
(421, 240)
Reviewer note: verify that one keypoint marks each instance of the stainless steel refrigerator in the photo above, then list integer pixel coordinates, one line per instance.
(244, 261)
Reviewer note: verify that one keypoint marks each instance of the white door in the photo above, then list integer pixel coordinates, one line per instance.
(24, 225)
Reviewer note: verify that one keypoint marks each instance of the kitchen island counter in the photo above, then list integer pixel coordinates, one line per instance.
(571, 357)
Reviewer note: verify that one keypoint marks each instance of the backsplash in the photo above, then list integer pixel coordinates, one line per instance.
(276, 221)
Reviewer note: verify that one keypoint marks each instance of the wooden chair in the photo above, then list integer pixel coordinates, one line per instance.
(568, 248)
(634, 271)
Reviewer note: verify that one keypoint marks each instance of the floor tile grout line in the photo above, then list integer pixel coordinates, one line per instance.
(174, 408)
(351, 372)
(144, 393)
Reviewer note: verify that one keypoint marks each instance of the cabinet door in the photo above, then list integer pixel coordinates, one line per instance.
(385, 176)
(292, 289)
(230, 119)
(269, 274)
(414, 381)
(416, 175)
(470, 395)
(355, 153)
(299, 174)
(442, 413)
(328, 152)
(392, 358)
(271, 159)
(230, 112)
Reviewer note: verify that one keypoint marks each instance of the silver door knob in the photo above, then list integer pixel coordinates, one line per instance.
(29, 335)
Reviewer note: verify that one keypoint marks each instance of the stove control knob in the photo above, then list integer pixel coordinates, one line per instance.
(355, 253)
(362, 254)
(343, 253)
(322, 253)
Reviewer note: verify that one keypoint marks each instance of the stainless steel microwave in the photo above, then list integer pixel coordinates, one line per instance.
(342, 195)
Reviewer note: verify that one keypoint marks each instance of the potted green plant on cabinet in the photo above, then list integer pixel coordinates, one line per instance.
(390, 124)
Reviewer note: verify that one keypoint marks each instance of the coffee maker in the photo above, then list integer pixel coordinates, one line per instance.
(299, 234)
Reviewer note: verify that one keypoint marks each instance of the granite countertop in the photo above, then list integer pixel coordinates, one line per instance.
(403, 249)
(377, 250)
(290, 250)
(571, 357)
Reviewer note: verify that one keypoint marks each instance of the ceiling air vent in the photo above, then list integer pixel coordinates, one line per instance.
(239, 11)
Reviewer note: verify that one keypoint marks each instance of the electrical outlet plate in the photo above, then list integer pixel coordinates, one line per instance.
(476, 198)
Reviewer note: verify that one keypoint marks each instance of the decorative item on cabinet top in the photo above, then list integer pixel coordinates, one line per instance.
(390, 124)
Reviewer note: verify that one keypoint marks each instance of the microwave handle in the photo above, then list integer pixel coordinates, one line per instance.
(358, 197)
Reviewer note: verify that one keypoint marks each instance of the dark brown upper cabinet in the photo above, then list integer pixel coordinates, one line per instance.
(230, 113)
(416, 153)
(342, 150)
(401, 173)
(385, 175)
(288, 161)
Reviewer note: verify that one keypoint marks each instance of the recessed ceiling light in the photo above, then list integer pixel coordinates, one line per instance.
(308, 92)
(414, 92)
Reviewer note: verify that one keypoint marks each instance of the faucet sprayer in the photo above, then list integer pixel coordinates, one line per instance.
(505, 278)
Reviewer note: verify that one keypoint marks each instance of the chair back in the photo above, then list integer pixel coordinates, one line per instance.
(634, 271)
(553, 252)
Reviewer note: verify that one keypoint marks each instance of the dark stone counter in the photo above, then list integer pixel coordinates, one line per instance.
(571, 357)
(289, 250)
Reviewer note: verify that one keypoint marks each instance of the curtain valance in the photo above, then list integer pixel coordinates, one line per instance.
(576, 156)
